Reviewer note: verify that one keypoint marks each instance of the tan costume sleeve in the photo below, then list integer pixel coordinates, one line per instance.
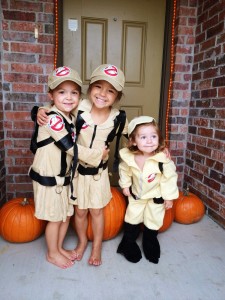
(168, 182)
(91, 156)
(125, 175)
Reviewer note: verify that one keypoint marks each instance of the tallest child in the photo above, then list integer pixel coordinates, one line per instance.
(91, 185)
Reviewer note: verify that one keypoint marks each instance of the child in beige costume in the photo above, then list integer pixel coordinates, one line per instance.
(148, 177)
(50, 170)
(91, 185)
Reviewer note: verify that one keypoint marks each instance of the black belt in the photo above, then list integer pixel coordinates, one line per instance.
(155, 200)
(91, 171)
(46, 180)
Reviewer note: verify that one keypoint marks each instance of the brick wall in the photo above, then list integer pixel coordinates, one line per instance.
(198, 106)
(26, 62)
(184, 39)
(2, 151)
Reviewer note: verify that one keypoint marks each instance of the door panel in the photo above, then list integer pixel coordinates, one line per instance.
(129, 34)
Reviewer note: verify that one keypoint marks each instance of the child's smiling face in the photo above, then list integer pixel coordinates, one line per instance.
(103, 94)
(66, 96)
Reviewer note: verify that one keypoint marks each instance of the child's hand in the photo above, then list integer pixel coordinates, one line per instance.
(126, 191)
(105, 153)
(167, 153)
(168, 204)
(42, 118)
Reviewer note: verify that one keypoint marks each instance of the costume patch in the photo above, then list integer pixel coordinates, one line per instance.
(85, 125)
(62, 71)
(151, 177)
(56, 123)
(111, 70)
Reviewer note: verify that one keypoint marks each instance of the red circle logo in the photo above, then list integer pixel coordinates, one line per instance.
(56, 123)
(151, 177)
(62, 71)
(111, 71)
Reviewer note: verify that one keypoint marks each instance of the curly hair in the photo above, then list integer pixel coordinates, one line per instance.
(131, 139)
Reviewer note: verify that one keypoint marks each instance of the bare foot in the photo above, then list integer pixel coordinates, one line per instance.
(95, 258)
(59, 260)
(79, 250)
(70, 254)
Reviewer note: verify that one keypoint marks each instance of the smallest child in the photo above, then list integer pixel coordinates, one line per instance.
(148, 177)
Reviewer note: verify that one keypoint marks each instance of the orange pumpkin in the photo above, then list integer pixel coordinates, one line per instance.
(188, 208)
(18, 223)
(114, 213)
(168, 219)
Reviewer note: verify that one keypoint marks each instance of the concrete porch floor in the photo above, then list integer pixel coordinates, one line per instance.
(191, 267)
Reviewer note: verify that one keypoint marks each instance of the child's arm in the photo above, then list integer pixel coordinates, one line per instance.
(168, 204)
(167, 153)
(168, 182)
(125, 179)
(42, 117)
(92, 156)
(126, 192)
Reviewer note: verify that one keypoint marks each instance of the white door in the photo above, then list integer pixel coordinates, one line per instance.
(126, 33)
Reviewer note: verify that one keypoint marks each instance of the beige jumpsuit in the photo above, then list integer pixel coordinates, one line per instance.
(147, 184)
(52, 202)
(93, 191)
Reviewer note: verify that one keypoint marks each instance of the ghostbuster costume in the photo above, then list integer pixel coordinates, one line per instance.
(148, 188)
(54, 147)
(91, 185)
(51, 167)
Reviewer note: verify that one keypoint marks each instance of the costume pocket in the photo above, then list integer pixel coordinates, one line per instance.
(158, 200)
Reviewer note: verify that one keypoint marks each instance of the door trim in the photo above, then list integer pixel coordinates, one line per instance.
(165, 78)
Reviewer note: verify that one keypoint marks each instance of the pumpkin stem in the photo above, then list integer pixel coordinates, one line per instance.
(25, 202)
(186, 191)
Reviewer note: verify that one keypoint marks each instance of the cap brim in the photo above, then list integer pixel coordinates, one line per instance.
(115, 84)
(57, 82)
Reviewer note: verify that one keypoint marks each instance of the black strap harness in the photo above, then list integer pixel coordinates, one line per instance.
(63, 144)
(119, 123)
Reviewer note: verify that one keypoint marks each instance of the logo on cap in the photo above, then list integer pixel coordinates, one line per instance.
(111, 70)
(62, 71)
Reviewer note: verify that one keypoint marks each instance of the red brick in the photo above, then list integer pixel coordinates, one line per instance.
(29, 48)
(29, 88)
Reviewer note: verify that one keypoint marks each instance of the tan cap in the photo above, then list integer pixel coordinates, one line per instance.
(137, 121)
(62, 74)
(111, 74)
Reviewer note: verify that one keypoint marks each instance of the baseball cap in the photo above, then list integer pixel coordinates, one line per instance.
(111, 74)
(138, 120)
(62, 74)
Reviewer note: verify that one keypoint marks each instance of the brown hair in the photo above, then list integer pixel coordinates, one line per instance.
(131, 140)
